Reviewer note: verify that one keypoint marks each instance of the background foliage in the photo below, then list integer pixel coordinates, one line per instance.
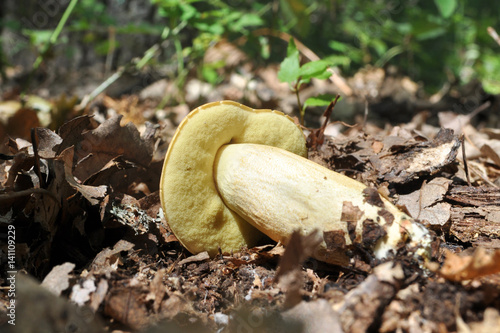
(432, 41)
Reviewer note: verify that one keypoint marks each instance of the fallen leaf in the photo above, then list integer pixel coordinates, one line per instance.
(94, 194)
(125, 305)
(157, 289)
(377, 146)
(202, 256)
(491, 150)
(58, 279)
(105, 257)
(48, 141)
(461, 268)
(427, 203)
(108, 141)
(362, 305)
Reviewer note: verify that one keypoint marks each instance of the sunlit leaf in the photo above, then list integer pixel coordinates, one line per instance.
(446, 7)
(320, 100)
(314, 69)
(290, 66)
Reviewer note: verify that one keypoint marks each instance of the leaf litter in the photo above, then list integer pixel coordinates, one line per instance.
(94, 231)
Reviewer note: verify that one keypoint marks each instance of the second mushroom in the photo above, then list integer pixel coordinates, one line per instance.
(233, 174)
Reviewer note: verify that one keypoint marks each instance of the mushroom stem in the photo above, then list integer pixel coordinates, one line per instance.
(279, 192)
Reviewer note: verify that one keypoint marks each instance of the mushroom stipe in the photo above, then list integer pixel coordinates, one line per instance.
(233, 174)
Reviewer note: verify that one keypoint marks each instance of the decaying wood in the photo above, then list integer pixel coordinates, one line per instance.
(475, 215)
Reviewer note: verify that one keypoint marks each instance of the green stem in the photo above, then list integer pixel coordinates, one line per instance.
(301, 108)
(178, 51)
(55, 33)
(148, 55)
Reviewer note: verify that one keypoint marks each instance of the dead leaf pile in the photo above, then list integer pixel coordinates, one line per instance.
(66, 192)
(84, 202)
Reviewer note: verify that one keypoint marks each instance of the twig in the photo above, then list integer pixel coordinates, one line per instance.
(365, 116)
(111, 50)
(327, 114)
(479, 109)
(55, 33)
(466, 168)
(6, 157)
(420, 193)
(23, 193)
(494, 34)
(482, 176)
(34, 143)
(299, 103)
(317, 136)
(103, 86)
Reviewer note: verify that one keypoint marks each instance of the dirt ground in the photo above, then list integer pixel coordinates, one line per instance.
(94, 253)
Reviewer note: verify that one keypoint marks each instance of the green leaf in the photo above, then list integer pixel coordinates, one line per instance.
(292, 48)
(338, 60)
(338, 46)
(320, 100)
(446, 7)
(188, 12)
(314, 69)
(491, 86)
(247, 21)
(290, 66)
(430, 33)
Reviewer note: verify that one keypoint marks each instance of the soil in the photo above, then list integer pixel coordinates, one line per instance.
(94, 253)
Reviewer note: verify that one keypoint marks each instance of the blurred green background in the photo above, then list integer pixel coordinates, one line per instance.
(433, 41)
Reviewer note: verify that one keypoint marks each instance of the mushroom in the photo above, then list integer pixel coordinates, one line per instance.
(232, 174)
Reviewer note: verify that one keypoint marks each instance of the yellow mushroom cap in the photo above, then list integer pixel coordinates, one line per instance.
(193, 208)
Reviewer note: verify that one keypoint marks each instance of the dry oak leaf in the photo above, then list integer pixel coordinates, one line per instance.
(460, 268)
(106, 142)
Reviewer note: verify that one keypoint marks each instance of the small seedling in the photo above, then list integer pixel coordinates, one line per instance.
(296, 75)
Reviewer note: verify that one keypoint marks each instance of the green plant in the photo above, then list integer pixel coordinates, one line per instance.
(55, 34)
(203, 23)
(296, 75)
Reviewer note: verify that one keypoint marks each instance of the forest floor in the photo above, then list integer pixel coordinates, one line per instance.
(93, 252)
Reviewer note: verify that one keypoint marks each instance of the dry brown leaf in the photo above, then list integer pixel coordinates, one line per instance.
(461, 268)
(107, 256)
(48, 141)
(362, 305)
(202, 256)
(157, 289)
(126, 306)
(108, 141)
(491, 150)
(71, 133)
(427, 203)
(58, 278)
(94, 194)
(21, 123)
(377, 146)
